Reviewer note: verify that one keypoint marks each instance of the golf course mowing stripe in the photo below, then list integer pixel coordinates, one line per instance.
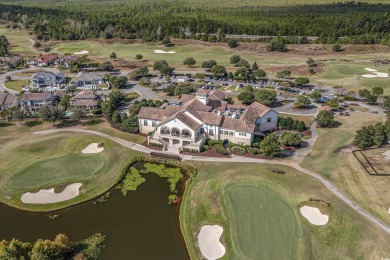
(263, 226)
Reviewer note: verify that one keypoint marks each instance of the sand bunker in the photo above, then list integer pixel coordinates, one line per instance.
(81, 52)
(49, 196)
(208, 240)
(93, 148)
(314, 215)
(164, 52)
(375, 74)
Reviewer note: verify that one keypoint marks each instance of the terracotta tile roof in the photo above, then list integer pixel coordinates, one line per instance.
(188, 121)
(254, 111)
(36, 96)
(236, 124)
(210, 118)
(236, 107)
(85, 94)
(217, 94)
(48, 58)
(202, 91)
(84, 103)
(152, 113)
(186, 97)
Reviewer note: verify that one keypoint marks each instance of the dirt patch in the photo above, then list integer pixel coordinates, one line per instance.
(298, 69)
(345, 149)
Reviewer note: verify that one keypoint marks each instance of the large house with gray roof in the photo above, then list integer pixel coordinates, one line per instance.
(32, 102)
(47, 81)
(89, 81)
(205, 115)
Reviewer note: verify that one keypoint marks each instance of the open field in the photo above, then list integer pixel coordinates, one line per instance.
(344, 170)
(270, 223)
(18, 39)
(207, 201)
(16, 84)
(376, 161)
(336, 71)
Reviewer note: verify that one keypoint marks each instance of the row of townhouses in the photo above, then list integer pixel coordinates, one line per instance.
(47, 81)
(205, 115)
(33, 102)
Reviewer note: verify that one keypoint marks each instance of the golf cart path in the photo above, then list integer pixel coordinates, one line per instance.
(241, 159)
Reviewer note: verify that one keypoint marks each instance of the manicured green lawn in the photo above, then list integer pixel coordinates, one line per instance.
(18, 39)
(32, 162)
(231, 195)
(16, 84)
(260, 217)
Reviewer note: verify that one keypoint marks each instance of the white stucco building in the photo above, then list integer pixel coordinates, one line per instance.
(205, 115)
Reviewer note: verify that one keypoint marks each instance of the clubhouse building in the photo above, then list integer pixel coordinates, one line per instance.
(205, 115)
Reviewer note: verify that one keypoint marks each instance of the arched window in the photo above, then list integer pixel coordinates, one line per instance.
(175, 132)
(186, 133)
(164, 130)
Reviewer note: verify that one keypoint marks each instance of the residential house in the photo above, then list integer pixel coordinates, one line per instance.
(32, 102)
(46, 81)
(7, 101)
(44, 60)
(205, 115)
(90, 81)
(85, 99)
(14, 62)
(67, 61)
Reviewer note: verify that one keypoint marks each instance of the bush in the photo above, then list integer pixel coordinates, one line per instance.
(214, 142)
(219, 148)
(238, 149)
(290, 138)
(132, 181)
(253, 150)
(156, 145)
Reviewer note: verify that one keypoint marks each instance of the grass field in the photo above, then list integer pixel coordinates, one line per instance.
(31, 162)
(16, 85)
(209, 200)
(259, 216)
(18, 39)
(344, 170)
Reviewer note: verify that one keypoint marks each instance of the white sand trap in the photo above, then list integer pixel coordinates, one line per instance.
(93, 148)
(375, 74)
(49, 196)
(208, 240)
(81, 52)
(164, 52)
(388, 211)
(314, 215)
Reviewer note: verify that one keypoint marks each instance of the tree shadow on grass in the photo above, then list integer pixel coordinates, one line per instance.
(336, 124)
(4, 124)
(33, 123)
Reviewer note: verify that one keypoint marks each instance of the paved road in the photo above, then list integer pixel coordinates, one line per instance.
(148, 94)
(240, 159)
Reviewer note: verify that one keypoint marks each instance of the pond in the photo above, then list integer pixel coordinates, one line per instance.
(139, 226)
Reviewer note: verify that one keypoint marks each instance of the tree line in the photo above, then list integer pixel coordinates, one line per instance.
(152, 21)
(59, 248)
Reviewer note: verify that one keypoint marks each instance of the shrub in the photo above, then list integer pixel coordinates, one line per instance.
(156, 145)
(238, 149)
(219, 148)
(253, 150)
(131, 181)
(290, 138)
(172, 198)
(214, 142)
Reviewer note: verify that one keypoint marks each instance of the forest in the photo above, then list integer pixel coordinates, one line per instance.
(355, 22)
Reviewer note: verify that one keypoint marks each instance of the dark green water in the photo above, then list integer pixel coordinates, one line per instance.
(139, 226)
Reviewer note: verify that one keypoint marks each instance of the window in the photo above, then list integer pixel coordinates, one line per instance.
(153, 123)
(242, 134)
(211, 132)
(202, 130)
(269, 119)
(145, 122)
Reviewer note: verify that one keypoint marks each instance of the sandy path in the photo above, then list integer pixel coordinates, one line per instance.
(93, 148)
(314, 215)
(208, 240)
(49, 196)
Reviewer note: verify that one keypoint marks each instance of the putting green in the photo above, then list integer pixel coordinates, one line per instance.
(263, 226)
(58, 170)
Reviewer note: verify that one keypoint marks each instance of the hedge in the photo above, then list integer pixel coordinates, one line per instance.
(219, 148)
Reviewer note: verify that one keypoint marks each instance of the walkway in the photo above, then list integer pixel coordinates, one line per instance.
(241, 159)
